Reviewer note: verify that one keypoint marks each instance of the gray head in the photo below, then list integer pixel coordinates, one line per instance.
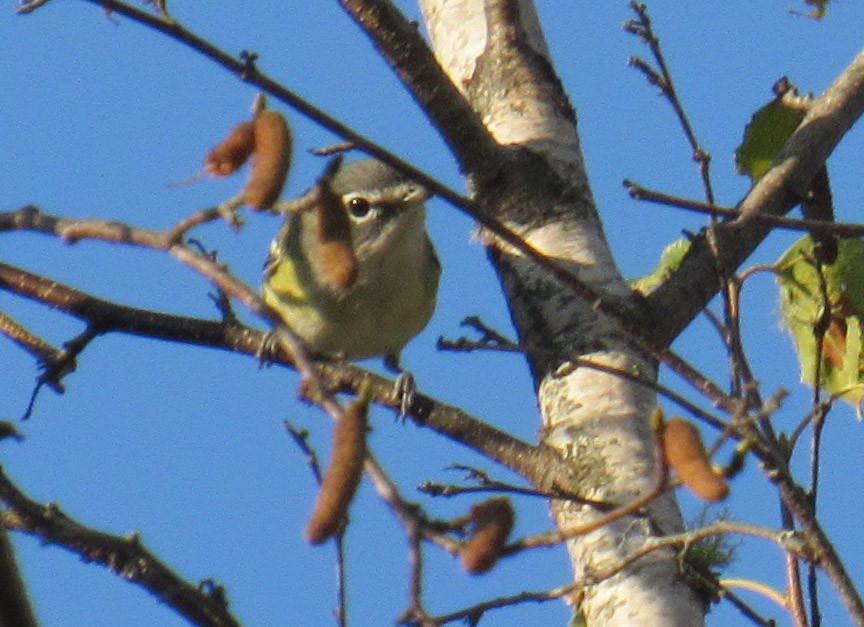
(376, 182)
(381, 203)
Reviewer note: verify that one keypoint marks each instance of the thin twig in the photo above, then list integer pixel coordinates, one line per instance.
(792, 542)
(417, 528)
(415, 614)
(745, 609)
(408, 513)
(818, 413)
(787, 541)
(794, 589)
(487, 484)
(841, 229)
(472, 615)
(642, 27)
(29, 6)
(64, 363)
(494, 340)
(755, 586)
(301, 439)
(52, 359)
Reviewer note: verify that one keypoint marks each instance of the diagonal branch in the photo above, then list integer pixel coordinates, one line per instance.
(400, 43)
(127, 557)
(15, 606)
(247, 71)
(840, 229)
(539, 465)
(674, 304)
(245, 68)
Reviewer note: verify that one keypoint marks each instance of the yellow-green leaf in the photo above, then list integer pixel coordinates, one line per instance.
(670, 260)
(841, 363)
(769, 129)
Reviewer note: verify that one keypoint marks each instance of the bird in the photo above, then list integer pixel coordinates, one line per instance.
(387, 299)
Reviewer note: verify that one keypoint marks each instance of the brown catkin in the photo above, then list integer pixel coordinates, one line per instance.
(492, 521)
(343, 474)
(335, 248)
(231, 153)
(685, 454)
(272, 160)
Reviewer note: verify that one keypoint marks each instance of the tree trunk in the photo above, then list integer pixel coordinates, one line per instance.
(495, 53)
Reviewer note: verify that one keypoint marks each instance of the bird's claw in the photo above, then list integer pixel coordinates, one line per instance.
(268, 349)
(404, 391)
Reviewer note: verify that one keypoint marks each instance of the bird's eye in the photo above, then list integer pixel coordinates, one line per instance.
(359, 207)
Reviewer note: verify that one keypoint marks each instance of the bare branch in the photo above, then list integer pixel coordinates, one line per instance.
(487, 484)
(471, 615)
(246, 69)
(15, 606)
(539, 465)
(788, 541)
(494, 340)
(30, 218)
(841, 229)
(126, 557)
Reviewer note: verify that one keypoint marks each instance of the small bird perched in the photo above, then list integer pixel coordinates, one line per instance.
(374, 308)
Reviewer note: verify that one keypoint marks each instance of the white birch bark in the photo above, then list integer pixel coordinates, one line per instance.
(598, 420)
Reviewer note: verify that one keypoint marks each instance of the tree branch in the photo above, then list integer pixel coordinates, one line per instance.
(245, 68)
(840, 229)
(538, 465)
(674, 304)
(15, 606)
(126, 557)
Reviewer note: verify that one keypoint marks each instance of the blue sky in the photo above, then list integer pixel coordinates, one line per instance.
(186, 445)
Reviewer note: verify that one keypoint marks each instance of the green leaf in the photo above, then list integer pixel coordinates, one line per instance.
(670, 260)
(769, 129)
(801, 303)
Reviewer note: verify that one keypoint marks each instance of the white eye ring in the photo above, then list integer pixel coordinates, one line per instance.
(359, 208)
